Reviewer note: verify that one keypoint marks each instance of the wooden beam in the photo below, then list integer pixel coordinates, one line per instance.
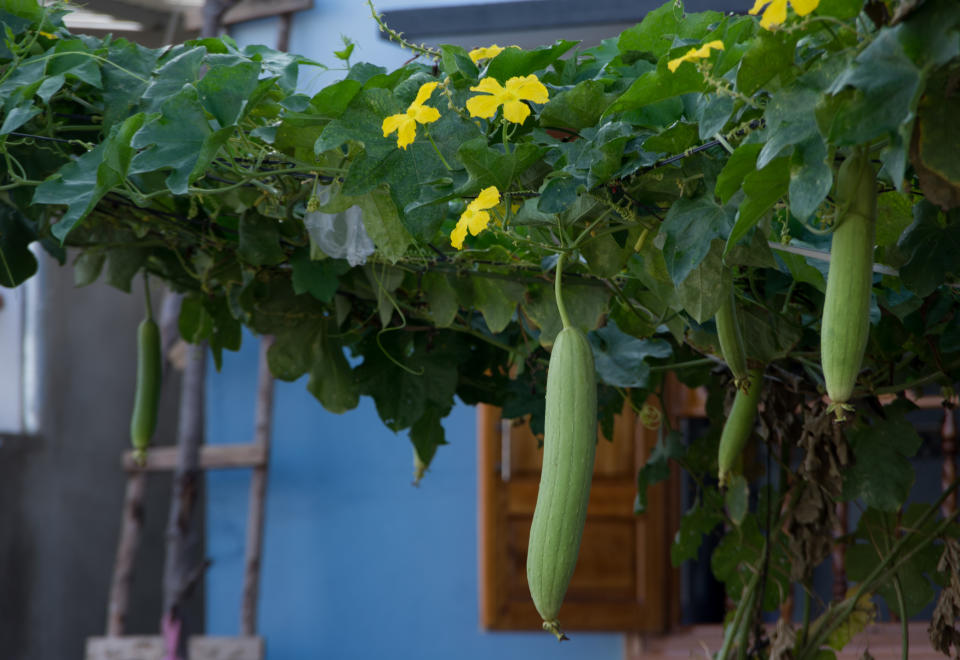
(519, 15)
(212, 457)
(249, 10)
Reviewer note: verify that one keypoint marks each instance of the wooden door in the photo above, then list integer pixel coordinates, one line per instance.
(623, 580)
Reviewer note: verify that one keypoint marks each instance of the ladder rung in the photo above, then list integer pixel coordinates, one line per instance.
(212, 457)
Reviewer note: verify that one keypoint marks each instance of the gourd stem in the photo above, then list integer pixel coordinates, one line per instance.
(146, 292)
(904, 621)
(558, 288)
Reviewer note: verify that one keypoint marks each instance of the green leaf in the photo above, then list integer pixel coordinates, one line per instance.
(741, 163)
(657, 468)
(403, 393)
(18, 116)
(701, 519)
(605, 256)
(318, 278)
(810, 177)
(17, 263)
(332, 381)
(882, 475)
(621, 360)
(125, 79)
(81, 184)
(762, 189)
(576, 108)
(456, 60)
(886, 83)
(168, 81)
(518, 62)
(87, 266)
(931, 248)
(427, 434)
(72, 57)
(559, 193)
(195, 322)
(673, 140)
(658, 85)
(894, 215)
(874, 538)
(713, 112)
(705, 288)
(259, 242)
(489, 166)
(654, 34)
(768, 54)
(407, 171)
(442, 305)
(382, 223)
(585, 305)
(687, 231)
(122, 265)
(767, 336)
(179, 139)
(842, 9)
(224, 90)
(497, 300)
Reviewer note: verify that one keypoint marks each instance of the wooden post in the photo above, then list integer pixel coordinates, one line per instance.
(184, 560)
(130, 526)
(263, 419)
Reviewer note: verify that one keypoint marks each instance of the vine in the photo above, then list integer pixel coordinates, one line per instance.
(412, 217)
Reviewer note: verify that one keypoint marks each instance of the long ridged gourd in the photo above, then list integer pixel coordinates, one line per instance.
(845, 325)
(731, 340)
(569, 446)
(739, 425)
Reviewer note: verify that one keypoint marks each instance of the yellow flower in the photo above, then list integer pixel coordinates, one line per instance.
(695, 54)
(776, 10)
(487, 53)
(475, 218)
(406, 124)
(511, 97)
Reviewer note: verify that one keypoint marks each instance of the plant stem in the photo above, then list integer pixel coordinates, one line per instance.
(437, 149)
(146, 294)
(558, 291)
(904, 622)
(888, 567)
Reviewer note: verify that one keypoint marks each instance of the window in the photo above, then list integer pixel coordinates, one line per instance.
(19, 357)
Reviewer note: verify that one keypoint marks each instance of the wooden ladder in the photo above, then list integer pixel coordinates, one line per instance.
(116, 645)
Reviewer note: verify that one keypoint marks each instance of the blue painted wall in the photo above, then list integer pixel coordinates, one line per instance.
(357, 562)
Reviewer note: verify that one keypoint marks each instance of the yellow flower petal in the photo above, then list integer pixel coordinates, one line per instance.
(675, 63)
(392, 123)
(477, 221)
(488, 85)
(757, 6)
(425, 114)
(407, 133)
(487, 199)
(529, 88)
(515, 111)
(483, 106)
(804, 7)
(694, 54)
(426, 89)
(487, 53)
(774, 14)
(459, 233)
